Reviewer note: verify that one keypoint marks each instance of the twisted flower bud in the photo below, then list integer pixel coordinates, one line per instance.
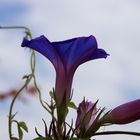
(124, 114)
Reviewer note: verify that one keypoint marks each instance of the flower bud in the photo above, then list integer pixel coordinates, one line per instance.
(125, 113)
(86, 114)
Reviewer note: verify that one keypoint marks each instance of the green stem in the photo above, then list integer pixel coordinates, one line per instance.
(32, 75)
(117, 133)
(15, 27)
(20, 90)
(28, 33)
(39, 92)
(12, 104)
(32, 63)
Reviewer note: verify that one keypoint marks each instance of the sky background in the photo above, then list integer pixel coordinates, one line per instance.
(114, 81)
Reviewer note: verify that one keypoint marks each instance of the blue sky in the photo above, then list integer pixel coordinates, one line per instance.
(11, 12)
(114, 23)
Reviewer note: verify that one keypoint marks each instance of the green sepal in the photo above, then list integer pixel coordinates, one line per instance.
(72, 105)
(62, 113)
(95, 126)
(62, 110)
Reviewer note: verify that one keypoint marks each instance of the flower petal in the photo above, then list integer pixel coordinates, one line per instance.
(76, 51)
(43, 46)
(71, 50)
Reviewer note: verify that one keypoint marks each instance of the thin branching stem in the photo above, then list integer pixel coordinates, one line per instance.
(12, 104)
(28, 78)
(15, 27)
(117, 133)
(39, 92)
(33, 63)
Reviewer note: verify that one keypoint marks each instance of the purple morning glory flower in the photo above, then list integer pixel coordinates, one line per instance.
(125, 113)
(66, 56)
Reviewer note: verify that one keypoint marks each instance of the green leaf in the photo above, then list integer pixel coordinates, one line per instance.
(42, 138)
(20, 133)
(72, 105)
(23, 126)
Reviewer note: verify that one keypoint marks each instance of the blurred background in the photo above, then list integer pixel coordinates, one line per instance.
(114, 81)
